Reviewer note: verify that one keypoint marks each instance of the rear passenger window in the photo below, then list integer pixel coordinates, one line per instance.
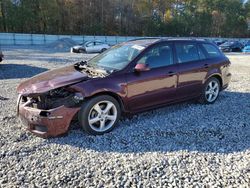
(211, 50)
(186, 52)
(201, 53)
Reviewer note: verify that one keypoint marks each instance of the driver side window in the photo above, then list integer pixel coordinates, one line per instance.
(158, 56)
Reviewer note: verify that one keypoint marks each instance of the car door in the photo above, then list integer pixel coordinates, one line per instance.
(192, 69)
(99, 46)
(90, 47)
(157, 85)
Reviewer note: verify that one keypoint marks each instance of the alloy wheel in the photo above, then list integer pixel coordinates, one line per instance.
(102, 116)
(212, 91)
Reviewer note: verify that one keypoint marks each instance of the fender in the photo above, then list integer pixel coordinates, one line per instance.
(216, 75)
(111, 85)
(213, 72)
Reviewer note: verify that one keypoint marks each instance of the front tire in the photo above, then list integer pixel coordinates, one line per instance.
(99, 115)
(210, 91)
(81, 51)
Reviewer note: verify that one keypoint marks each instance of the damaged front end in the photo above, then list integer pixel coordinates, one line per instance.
(47, 103)
(49, 114)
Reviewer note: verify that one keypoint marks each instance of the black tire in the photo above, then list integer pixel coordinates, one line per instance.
(204, 98)
(104, 49)
(74, 50)
(81, 51)
(88, 110)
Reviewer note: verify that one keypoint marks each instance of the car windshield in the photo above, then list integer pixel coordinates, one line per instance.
(117, 57)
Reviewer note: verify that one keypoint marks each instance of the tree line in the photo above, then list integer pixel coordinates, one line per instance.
(206, 18)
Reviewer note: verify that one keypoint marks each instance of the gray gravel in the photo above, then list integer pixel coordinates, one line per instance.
(183, 145)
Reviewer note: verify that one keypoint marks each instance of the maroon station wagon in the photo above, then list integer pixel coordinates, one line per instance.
(130, 77)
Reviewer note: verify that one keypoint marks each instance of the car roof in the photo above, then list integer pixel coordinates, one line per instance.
(148, 41)
(142, 42)
(88, 41)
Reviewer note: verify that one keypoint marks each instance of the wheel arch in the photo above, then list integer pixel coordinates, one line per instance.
(112, 94)
(218, 77)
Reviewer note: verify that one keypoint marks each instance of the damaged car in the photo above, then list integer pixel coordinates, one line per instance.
(128, 78)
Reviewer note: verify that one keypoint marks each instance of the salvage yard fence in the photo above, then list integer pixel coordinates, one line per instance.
(41, 39)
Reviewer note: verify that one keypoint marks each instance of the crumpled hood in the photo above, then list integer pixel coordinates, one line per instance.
(51, 80)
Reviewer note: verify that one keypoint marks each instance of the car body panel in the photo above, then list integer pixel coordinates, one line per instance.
(56, 123)
(190, 78)
(114, 84)
(96, 47)
(51, 80)
(154, 86)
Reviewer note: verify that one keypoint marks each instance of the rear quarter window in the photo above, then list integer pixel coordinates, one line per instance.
(211, 50)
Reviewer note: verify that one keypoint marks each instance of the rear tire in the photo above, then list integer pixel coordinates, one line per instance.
(210, 91)
(99, 115)
(104, 49)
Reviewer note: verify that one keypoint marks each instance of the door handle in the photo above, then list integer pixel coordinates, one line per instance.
(171, 73)
(206, 65)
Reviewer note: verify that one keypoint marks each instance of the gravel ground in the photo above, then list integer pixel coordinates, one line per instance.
(183, 145)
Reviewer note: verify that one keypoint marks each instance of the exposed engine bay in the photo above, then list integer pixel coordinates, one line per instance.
(53, 99)
(63, 96)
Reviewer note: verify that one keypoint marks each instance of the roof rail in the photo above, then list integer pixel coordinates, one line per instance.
(145, 38)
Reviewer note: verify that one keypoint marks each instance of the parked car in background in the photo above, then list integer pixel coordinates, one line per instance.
(131, 77)
(219, 42)
(78, 48)
(231, 46)
(1, 56)
(90, 47)
(247, 43)
(246, 49)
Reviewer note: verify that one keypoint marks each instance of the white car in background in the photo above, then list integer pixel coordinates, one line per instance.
(90, 47)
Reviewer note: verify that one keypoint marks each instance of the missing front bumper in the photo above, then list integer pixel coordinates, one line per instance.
(46, 123)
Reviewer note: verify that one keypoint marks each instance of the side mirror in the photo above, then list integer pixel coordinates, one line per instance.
(141, 67)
